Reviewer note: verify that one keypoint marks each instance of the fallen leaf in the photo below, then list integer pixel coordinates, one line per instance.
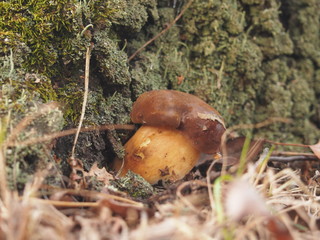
(316, 149)
(100, 173)
(76, 176)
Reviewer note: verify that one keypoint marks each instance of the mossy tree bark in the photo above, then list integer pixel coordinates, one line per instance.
(250, 59)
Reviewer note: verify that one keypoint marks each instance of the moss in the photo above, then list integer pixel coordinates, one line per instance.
(42, 59)
(302, 97)
(137, 14)
(146, 75)
(288, 92)
(251, 2)
(317, 82)
(256, 65)
(113, 110)
(98, 146)
(34, 23)
(302, 20)
(134, 185)
(249, 59)
(279, 103)
(268, 32)
(239, 56)
(162, 63)
(111, 61)
(50, 29)
(71, 96)
(222, 58)
(22, 162)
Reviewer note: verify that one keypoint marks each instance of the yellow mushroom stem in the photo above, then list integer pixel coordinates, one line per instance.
(158, 153)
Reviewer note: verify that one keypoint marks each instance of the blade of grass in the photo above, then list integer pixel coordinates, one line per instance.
(217, 191)
(227, 233)
(3, 177)
(243, 157)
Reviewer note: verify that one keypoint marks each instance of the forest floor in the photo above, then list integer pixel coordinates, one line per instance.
(276, 196)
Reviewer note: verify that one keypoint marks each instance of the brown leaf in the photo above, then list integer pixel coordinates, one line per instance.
(76, 179)
(100, 173)
(316, 149)
(278, 229)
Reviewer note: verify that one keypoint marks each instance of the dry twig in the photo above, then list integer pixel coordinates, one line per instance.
(85, 98)
(71, 131)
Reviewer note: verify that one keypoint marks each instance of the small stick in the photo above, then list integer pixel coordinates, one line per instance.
(85, 98)
(68, 132)
(65, 203)
(91, 194)
(287, 144)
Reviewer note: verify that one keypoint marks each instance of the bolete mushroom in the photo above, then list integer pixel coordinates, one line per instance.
(177, 128)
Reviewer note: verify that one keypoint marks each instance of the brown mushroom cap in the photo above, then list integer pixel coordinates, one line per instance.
(198, 121)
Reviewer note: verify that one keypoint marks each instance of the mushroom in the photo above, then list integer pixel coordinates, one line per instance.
(177, 128)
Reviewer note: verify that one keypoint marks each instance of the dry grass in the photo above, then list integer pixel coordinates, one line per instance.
(271, 205)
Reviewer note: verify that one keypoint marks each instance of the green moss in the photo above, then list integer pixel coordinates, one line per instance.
(302, 97)
(163, 62)
(302, 19)
(252, 58)
(113, 110)
(137, 13)
(34, 23)
(22, 162)
(71, 96)
(317, 82)
(112, 62)
(146, 75)
(134, 185)
(239, 57)
(50, 29)
(248, 59)
(269, 33)
(42, 86)
(101, 110)
(42, 59)
(223, 60)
